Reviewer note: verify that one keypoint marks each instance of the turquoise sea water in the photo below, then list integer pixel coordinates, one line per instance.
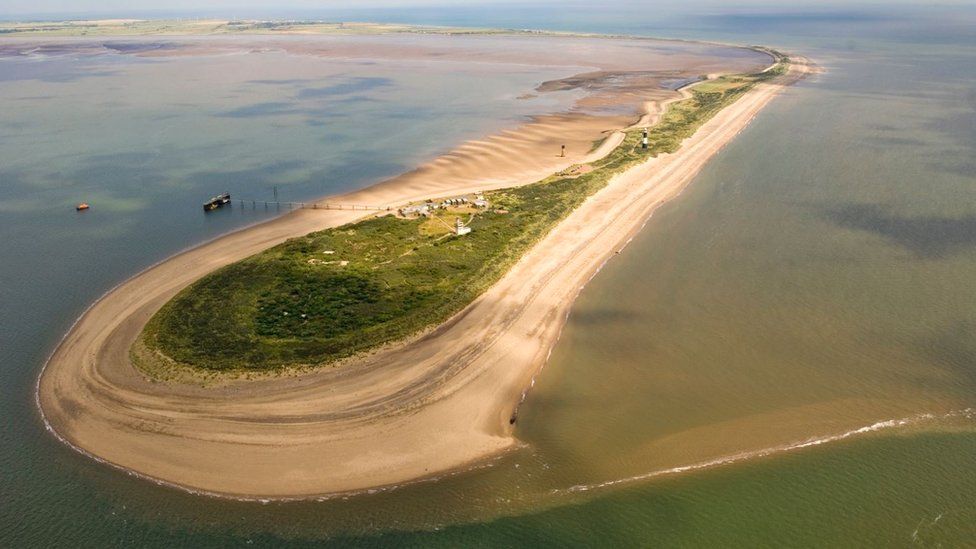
(813, 280)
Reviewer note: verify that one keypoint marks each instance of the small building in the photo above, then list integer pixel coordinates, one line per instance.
(480, 203)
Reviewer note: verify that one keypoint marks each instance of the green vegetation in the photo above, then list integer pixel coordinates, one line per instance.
(330, 294)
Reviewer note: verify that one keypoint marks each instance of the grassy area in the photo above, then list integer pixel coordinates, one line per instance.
(330, 294)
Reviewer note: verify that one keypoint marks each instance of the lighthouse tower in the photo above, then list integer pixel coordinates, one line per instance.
(460, 229)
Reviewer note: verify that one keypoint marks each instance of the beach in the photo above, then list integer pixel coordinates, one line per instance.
(412, 411)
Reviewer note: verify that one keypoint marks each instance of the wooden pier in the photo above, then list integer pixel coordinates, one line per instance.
(314, 205)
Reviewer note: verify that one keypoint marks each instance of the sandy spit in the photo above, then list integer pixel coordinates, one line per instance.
(410, 412)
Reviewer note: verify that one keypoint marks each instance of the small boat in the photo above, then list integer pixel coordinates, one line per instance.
(216, 202)
(82, 207)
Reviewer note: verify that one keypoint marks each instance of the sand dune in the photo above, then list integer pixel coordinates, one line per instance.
(403, 413)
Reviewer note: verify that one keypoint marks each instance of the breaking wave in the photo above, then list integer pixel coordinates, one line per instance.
(967, 413)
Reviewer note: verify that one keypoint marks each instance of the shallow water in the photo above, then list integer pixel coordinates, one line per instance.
(803, 286)
(813, 280)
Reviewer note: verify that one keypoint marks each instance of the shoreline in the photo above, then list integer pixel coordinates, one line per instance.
(449, 382)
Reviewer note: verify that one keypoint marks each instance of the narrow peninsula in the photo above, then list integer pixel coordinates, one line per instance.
(335, 350)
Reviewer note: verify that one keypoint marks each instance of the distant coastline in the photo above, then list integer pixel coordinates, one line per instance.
(201, 27)
(207, 26)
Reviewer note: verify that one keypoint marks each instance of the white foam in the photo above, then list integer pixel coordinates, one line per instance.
(967, 413)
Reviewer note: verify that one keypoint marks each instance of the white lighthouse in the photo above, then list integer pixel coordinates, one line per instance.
(460, 229)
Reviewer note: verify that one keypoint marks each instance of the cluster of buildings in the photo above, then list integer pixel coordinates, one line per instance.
(415, 210)
(478, 202)
(427, 209)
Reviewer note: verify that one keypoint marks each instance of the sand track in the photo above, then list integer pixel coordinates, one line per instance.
(428, 406)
